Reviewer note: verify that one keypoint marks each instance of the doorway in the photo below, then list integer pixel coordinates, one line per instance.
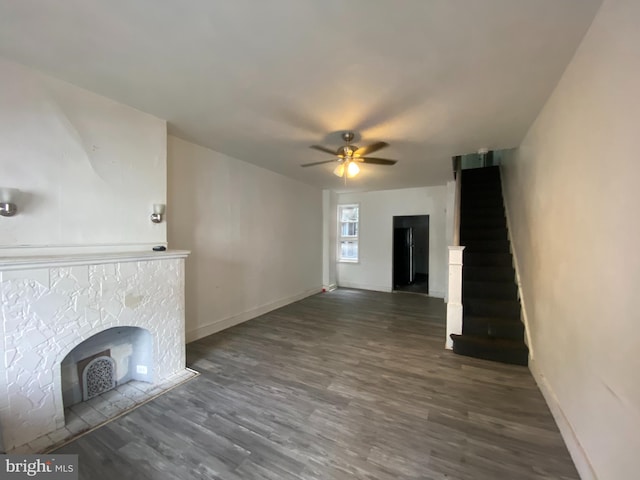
(411, 253)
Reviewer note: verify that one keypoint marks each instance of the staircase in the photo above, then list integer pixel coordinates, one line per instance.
(491, 326)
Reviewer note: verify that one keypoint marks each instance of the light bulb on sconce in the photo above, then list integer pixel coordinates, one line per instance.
(158, 212)
(7, 201)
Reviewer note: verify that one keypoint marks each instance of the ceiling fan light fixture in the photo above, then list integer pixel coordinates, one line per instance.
(349, 156)
(352, 169)
(347, 169)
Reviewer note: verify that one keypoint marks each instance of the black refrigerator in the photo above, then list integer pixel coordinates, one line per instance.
(403, 258)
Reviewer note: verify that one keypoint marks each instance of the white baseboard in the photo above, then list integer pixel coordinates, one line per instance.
(383, 288)
(219, 325)
(365, 286)
(329, 288)
(579, 456)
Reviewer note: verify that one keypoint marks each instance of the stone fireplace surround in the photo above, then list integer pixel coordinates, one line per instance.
(51, 304)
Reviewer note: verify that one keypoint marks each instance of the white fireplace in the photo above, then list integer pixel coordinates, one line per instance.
(60, 311)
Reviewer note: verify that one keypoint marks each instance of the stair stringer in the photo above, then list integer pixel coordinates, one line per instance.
(514, 255)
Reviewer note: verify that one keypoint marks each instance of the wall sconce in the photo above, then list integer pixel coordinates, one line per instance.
(158, 212)
(7, 201)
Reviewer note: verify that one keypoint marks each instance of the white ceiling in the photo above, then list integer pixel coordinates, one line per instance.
(263, 80)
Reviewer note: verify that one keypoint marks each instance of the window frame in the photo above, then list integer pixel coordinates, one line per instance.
(348, 238)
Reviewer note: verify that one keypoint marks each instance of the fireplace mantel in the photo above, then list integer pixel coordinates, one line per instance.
(65, 260)
(51, 303)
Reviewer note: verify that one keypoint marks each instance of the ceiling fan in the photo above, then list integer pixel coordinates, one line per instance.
(348, 156)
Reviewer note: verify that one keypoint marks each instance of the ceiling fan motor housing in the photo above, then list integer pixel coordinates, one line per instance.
(348, 136)
(347, 151)
(349, 154)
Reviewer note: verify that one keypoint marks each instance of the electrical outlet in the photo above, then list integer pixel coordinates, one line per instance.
(141, 369)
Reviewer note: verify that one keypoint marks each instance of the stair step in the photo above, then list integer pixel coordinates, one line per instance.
(483, 222)
(495, 201)
(495, 233)
(499, 350)
(476, 189)
(491, 307)
(479, 177)
(471, 184)
(479, 259)
(487, 274)
(481, 190)
(472, 196)
(493, 327)
(487, 246)
(472, 213)
(482, 172)
(483, 205)
(488, 212)
(506, 290)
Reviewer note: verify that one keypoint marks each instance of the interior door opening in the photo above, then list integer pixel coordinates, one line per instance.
(411, 253)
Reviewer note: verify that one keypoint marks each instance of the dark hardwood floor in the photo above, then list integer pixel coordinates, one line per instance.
(342, 385)
(419, 285)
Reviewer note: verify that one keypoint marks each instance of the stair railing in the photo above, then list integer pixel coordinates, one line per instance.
(454, 293)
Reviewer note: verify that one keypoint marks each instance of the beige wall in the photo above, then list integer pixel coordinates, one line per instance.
(255, 236)
(573, 199)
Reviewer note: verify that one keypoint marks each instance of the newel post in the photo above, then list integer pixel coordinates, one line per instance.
(454, 304)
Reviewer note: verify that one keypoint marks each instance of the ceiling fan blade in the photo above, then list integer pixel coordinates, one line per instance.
(377, 161)
(323, 149)
(317, 163)
(374, 147)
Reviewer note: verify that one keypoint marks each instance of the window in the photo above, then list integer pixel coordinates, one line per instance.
(348, 233)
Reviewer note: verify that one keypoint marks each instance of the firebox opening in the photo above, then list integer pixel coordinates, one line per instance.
(104, 361)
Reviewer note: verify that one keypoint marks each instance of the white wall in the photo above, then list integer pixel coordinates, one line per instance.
(89, 168)
(255, 236)
(572, 194)
(329, 242)
(377, 209)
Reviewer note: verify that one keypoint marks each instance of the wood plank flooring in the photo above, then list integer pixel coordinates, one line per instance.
(342, 385)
